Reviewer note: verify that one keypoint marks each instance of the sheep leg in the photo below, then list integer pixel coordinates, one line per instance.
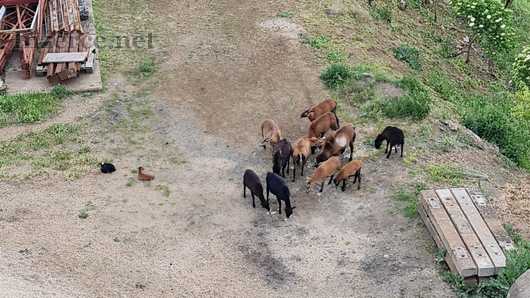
(389, 152)
(267, 193)
(402, 145)
(395, 148)
(279, 206)
(330, 179)
(386, 149)
(294, 172)
(344, 185)
(304, 160)
(351, 151)
(244, 190)
(322, 186)
(253, 201)
(288, 163)
(359, 176)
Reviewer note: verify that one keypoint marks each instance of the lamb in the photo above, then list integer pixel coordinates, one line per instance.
(322, 124)
(142, 176)
(393, 137)
(252, 181)
(107, 168)
(301, 151)
(336, 143)
(270, 132)
(281, 157)
(325, 170)
(278, 187)
(315, 111)
(351, 169)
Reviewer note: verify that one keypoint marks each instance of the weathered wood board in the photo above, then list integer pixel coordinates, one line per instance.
(65, 57)
(453, 244)
(454, 219)
(481, 228)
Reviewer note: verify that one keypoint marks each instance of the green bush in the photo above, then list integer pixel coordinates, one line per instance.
(521, 68)
(492, 119)
(409, 55)
(317, 42)
(335, 75)
(448, 89)
(382, 13)
(416, 104)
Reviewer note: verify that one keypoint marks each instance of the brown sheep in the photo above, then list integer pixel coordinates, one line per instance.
(336, 143)
(270, 132)
(301, 151)
(325, 170)
(315, 111)
(351, 169)
(321, 125)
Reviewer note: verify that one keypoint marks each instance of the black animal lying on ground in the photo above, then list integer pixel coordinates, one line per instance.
(252, 181)
(278, 187)
(393, 137)
(107, 168)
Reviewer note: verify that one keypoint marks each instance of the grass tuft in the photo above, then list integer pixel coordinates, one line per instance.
(409, 55)
(335, 75)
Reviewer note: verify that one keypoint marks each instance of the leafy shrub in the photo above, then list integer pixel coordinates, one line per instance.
(448, 89)
(335, 75)
(416, 104)
(318, 42)
(489, 21)
(60, 91)
(492, 120)
(147, 67)
(521, 109)
(521, 68)
(382, 13)
(410, 55)
(336, 56)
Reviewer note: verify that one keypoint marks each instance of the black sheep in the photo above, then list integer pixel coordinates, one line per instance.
(281, 157)
(393, 137)
(252, 181)
(278, 187)
(107, 168)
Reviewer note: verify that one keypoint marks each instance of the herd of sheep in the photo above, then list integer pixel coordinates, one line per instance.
(326, 135)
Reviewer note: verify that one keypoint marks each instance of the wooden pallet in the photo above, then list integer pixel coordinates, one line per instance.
(462, 224)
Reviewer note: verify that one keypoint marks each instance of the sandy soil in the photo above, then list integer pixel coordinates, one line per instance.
(222, 74)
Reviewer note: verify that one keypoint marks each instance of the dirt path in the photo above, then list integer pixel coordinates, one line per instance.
(222, 75)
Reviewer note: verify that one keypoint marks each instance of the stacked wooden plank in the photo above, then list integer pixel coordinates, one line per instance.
(24, 18)
(65, 35)
(475, 242)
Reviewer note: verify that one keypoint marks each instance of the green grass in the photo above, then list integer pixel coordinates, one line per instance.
(382, 13)
(318, 42)
(445, 174)
(416, 104)
(409, 55)
(30, 107)
(60, 148)
(146, 67)
(285, 14)
(335, 75)
(408, 199)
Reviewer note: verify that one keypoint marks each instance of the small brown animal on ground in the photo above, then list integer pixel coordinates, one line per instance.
(143, 176)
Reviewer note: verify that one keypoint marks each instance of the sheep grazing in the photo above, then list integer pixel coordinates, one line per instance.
(253, 183)
(393, 137)
(325, 170)
(336, 143)
(281, 157)
(270, 132)
(278, 187)
(322, 124)
(351, 169)
(301, 151)
(315, 111)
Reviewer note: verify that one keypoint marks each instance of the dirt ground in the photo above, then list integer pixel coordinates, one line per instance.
(224, 71)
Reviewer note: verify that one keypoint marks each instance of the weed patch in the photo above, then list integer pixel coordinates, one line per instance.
(445, 174)
(336, 75)
(415, 104)
(30, 107)
(409, 55)
(408, 199)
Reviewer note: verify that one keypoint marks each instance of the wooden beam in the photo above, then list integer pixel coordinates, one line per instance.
(478, 253)
(456, 249)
